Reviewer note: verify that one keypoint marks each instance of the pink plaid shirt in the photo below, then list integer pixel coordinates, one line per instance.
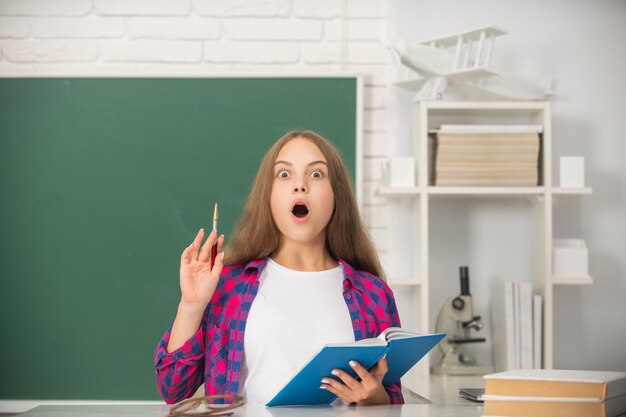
(214, 354)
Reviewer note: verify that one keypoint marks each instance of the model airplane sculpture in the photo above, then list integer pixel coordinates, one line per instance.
(463, 60)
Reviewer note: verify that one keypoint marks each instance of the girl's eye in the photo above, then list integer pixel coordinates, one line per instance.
(317, 174)
(282, 174)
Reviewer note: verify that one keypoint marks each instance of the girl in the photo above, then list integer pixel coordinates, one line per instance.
(300, 272)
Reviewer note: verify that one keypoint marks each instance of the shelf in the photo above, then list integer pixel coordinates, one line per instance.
(485, 105)
(586, 280)
(487, 191)
(414, 201)
(463, 191)
(572, 191)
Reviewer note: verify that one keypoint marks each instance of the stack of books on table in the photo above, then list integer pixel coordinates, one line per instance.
(555, 393)
(486, 155)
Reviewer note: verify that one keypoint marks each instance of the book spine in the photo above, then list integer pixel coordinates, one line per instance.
(488, 137)
(543, 409)
(524, 174)
(518, 333)
(487, 149)
(465, 129)
(526, 325)
(487, 167)
(503, 334)
(537, 331)
(486, 182)
(493, 158)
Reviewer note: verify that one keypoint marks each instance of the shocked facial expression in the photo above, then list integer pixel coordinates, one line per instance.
(302, 199)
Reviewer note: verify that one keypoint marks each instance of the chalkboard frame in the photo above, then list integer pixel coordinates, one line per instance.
(31, 382)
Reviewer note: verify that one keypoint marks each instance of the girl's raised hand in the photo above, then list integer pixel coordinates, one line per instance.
(197, 279)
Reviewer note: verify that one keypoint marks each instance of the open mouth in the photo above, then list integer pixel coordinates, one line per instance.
(300, 211)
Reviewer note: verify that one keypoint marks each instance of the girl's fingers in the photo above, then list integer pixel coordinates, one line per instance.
(346, 378)
(380, 369)
(366, 377)
(196, 245)
(220, 243)
(219, 259)
(337, 388)
(206, 248)
(190, 253)
(219, 264)
(185, 257)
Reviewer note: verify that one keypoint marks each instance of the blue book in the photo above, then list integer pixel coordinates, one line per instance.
(403, 349)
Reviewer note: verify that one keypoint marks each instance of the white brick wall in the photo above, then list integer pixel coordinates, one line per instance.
(237, 37)
(151, 51)
(174, 28)
(355, 29)
(93, 27)
(40, 51)
(14, 27)
(243, 8)
(320, 9)
(164, 8)
(45, 8)
(248, 29)
(252, 52)
(367, 8)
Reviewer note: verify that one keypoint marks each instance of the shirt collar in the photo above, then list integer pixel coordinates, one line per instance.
(254, 269)
(348, 272)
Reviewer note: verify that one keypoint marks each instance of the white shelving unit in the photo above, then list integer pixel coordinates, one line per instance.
(429, 116)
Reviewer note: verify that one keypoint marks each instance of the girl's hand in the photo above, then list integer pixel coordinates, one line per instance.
(368, 391)
(197, 280)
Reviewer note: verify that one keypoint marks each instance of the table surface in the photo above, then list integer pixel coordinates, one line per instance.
(406, 410)
(434, 396)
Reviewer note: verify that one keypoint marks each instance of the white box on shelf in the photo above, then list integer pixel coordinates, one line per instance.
(572, 171)
(402, 172)
(570, 258)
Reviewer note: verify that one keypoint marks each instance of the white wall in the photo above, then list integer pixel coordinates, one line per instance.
(581, 45)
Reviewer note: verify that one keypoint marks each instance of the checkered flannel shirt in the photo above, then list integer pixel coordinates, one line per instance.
(214, 354)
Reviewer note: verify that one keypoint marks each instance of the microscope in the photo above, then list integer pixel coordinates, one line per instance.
(459, 309)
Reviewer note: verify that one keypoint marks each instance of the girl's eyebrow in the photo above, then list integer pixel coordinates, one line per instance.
(309, 164)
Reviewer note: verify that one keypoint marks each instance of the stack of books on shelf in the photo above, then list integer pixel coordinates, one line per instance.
(486, 155)
(517, 317)
(555, 393)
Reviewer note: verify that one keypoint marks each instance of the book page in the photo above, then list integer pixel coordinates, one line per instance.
(362, 342)
(391, 333)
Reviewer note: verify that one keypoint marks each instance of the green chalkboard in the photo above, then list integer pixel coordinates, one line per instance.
(103, 182)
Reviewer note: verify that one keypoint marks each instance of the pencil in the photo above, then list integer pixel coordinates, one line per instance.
(214, 248)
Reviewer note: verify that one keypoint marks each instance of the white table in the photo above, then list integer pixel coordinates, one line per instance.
(431, 397)
(406, 410)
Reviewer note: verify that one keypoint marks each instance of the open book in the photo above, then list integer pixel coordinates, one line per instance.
(403, 349)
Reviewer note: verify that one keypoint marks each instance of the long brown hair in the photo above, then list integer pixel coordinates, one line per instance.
(256, 234)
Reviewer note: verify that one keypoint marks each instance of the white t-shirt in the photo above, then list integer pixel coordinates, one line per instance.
(293, 315)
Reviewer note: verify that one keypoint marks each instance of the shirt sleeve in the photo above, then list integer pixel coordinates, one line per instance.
(394, 391)
(180, 373)
(395, 394)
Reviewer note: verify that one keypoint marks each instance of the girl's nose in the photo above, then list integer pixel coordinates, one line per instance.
(296, 189)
